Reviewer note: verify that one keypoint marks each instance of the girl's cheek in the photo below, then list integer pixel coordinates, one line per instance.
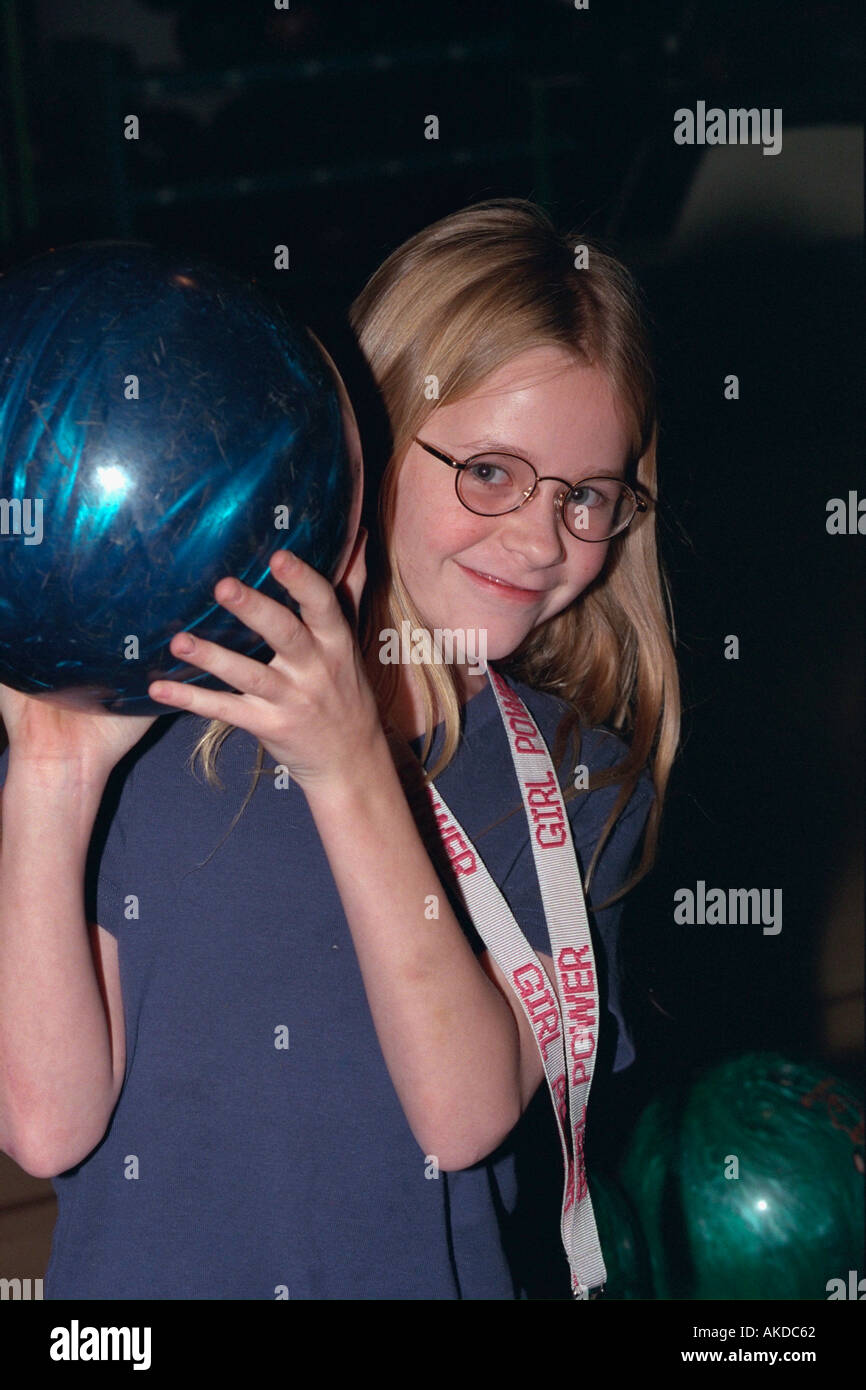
(592, 565)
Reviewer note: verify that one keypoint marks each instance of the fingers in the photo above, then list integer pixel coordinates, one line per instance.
(255, 678)
(209, 704)
(275, 622)
(315, 596)
(288, 637)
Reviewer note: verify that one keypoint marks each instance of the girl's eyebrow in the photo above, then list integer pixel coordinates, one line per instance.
(500, 445)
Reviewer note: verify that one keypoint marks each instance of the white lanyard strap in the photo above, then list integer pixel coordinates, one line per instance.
(567, 1052)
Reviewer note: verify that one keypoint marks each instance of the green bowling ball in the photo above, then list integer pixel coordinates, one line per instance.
(748, 1182)
(623, 1247)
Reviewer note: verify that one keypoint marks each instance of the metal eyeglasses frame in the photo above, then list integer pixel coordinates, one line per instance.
(638, 503)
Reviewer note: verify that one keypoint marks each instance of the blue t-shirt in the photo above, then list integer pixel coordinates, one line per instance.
(233, 1168)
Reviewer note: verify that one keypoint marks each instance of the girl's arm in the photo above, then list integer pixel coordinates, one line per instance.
(456, 1043)
(62, 1045)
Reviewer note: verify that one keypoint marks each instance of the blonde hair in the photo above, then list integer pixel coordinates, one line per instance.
(457, 301)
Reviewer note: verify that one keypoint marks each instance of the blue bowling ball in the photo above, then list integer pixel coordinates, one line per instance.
(162, 425)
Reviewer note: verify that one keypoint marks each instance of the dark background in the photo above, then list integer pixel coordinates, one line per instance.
(306, 127)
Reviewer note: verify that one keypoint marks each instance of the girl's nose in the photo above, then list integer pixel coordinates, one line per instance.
(535, 529)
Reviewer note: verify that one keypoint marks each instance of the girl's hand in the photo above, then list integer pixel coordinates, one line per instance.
(311, 705)
(39, 731)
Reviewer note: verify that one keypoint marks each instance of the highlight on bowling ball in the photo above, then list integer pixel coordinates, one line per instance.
(748, 1182)
(162, 425)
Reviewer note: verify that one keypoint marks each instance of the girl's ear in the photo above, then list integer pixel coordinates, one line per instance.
(351, 586)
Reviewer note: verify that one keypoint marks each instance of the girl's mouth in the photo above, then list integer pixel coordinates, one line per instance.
(493, 584)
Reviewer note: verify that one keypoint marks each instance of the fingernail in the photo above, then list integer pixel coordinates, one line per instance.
(184, 643)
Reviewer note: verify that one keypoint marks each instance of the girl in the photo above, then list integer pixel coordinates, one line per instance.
(285, 1063)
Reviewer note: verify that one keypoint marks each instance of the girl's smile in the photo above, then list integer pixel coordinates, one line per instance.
(503, 588)
(508, 574)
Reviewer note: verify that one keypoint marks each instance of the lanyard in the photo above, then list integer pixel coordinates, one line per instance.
(563, 1012)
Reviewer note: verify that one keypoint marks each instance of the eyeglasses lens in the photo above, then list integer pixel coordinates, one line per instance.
(594, 509)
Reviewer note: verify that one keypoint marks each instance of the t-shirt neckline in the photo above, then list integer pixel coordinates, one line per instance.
(474, 715)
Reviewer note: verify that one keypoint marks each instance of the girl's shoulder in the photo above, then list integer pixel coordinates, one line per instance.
(600, 750)
(162, 771)
(601, 745)
(167, 749)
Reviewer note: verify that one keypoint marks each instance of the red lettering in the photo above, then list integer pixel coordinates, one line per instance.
(579, 1135)
(587, 1051)
(559, 1094)
(513, 707)
(550, 836)
(524, 744)
(542, 783)
(569, 1185)
(540, 813)
(499, 684)
(525, 733)
(546, 1029)
(519, 725)
(579, 1074)
(573, 980)
(531, 984)
(569, 957)
(464, 863)
(582, 1011)
(454, 837)
(528, 978)
(543, 796)
(462, 858)
(575, 969)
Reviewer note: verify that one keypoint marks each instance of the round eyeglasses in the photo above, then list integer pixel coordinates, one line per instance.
(490, 484)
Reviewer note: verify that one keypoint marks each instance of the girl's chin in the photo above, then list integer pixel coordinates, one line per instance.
(500, 640)
(497, 653)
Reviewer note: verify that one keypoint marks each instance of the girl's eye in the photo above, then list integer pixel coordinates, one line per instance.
(584, 495)
(593, 506)
(491, 473)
